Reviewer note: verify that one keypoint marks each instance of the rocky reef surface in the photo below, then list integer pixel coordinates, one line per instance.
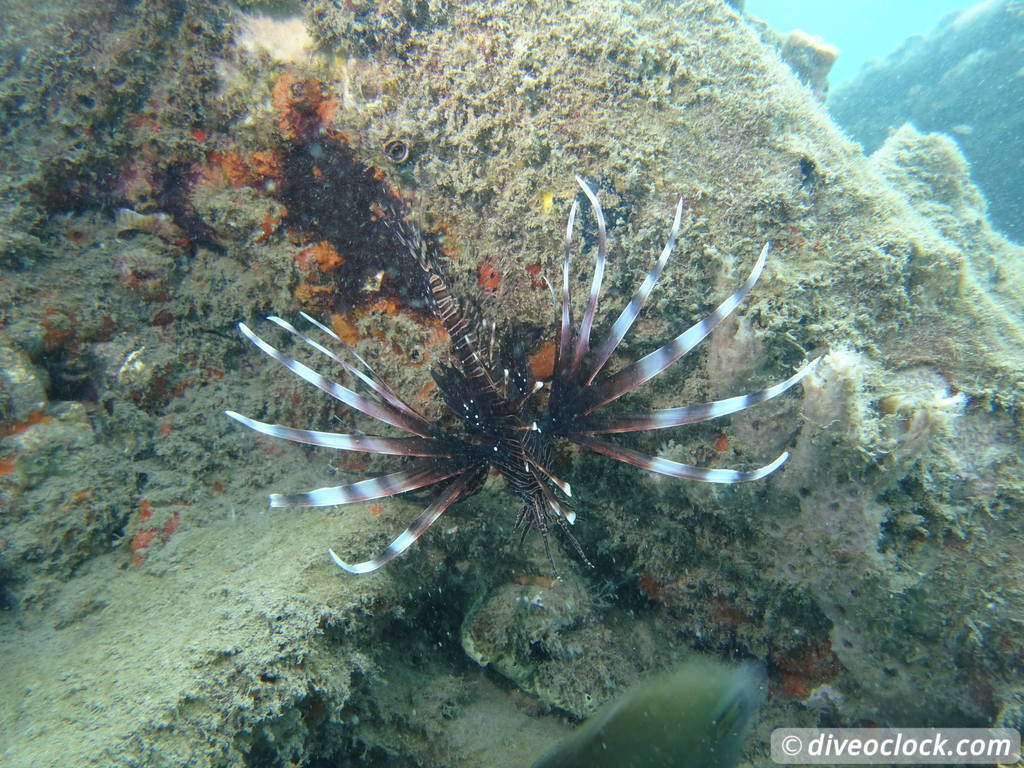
(964, 79)
(185, 166)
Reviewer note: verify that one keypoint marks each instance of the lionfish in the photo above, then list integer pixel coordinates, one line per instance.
(503, 428)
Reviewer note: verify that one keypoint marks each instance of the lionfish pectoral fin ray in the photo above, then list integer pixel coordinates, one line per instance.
(632, 310)
(649, 366)
(338, 340)
(520, 402)
(673, 468)
(372, 408)
(408, 537)
(565, 333)
(575, 543)
(396, 446)
(691, 414)
(369, 379)
(583, 338)
(418, 475)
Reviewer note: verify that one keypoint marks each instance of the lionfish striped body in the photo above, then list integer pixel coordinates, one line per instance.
(501, 431)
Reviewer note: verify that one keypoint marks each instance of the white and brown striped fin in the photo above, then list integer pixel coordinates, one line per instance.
(674, 468)
(413, 532)
(563, 352)
(689, 414)
(370, 378)
(632, 310)
(649, 366)
(372, 408)
(492, 347)
(561, 485)
(344, 345)
(583, 337)
(395, 446)
(418, 475)
(556, 507)
(463, 345)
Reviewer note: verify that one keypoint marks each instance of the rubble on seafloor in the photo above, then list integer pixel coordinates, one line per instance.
(194, 165)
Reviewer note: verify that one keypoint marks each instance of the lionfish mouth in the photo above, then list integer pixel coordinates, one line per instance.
(504, 428)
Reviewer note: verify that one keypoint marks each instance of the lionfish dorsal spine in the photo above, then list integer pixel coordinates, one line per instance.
(446, 308)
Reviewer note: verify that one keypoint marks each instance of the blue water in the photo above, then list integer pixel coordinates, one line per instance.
(862, 30)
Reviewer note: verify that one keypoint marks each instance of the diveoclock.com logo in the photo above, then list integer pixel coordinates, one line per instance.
(830, 746)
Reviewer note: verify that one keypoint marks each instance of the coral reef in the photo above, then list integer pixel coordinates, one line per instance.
(959, 79)
(876, 577)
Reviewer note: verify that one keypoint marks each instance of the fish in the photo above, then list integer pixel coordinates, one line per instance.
(697, 716)
(508, 424)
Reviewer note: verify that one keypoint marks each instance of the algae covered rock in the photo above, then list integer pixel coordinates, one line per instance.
(65, 497)
(558, 641)
(958, 79)
(22, 385)
(878, 571)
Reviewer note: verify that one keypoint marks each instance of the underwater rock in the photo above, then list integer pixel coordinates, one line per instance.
(961, 79)
(64, 495)
(890, 541)
(159, 224)
(22, 385)
(696, 716)
(811, 58)
(535, 634)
